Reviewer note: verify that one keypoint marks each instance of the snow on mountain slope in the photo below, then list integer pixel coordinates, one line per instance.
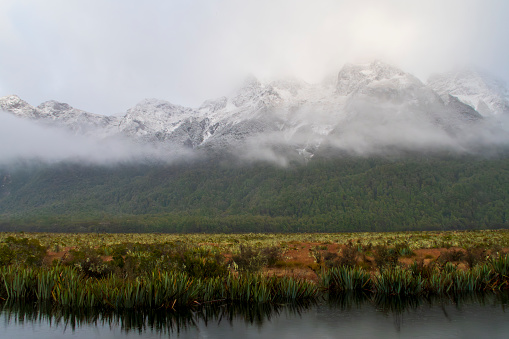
(486, 94)
(155, 120)
(18, 107)
(56, 113)
(354, 77)
(365, 104)
(384, 93)
(368, 98)
(77, 120)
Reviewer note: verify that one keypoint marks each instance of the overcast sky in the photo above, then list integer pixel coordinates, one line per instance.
(105, 56)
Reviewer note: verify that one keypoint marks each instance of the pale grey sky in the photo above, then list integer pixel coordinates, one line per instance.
(105, 56)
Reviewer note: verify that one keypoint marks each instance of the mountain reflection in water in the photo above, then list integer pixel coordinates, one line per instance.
(344, 315)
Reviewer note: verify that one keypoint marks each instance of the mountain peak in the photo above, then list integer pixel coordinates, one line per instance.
(354, 76)
(17, 106)
(52, 105)
(12, 101)
(290, 84)
(475, 87)
(154, 102)
(156, 108)
(153, 115)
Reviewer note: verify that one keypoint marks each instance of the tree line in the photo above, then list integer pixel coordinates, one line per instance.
(419, 192)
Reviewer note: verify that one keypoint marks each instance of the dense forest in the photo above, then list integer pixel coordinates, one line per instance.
(326, 194)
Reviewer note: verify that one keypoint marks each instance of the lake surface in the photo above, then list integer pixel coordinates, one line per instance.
(345, 317)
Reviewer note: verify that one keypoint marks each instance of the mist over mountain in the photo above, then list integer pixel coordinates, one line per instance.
(125, 115)
(367, 109)
(374, 148)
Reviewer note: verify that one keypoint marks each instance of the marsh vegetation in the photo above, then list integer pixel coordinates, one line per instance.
(154, 271)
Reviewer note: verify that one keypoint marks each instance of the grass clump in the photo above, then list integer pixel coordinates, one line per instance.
(385, 257)
(500, 267)
(398, 281)
(202, 263)
(70, 288)
(349, 255)
(345, 278)
(419, 269)
(252, 259)
(475, 256)
(88, 262)
(452, 255)
(21, 252)
(403, 250)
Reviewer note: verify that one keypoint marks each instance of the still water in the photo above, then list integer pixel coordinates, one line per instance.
(470, 316)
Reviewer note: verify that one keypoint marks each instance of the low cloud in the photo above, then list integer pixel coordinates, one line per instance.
(22, 139)
(382, 130)
(361, 130)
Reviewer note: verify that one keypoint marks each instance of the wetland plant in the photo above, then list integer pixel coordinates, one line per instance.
(344, 278)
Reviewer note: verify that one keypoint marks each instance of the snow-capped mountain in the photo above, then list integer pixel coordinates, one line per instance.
(394, 94)
(372, 104)
(484, 93)
(61, 114)
(18, 107)
(155, 120)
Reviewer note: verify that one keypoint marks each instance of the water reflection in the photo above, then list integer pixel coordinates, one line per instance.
(161, 321)
(396, 306)
(349, 313)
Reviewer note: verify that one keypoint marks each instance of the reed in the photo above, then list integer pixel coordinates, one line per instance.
(289, 289)
(411, 282)
(69, 288)
(476, 279)
(500, 265)
(345, 278)
(398, 281)
(19, 284)
(260, 289)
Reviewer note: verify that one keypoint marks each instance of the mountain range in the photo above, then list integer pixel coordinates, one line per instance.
(366, 108)
(373, 149)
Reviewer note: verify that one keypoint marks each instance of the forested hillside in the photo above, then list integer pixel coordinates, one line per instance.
(326, 194)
